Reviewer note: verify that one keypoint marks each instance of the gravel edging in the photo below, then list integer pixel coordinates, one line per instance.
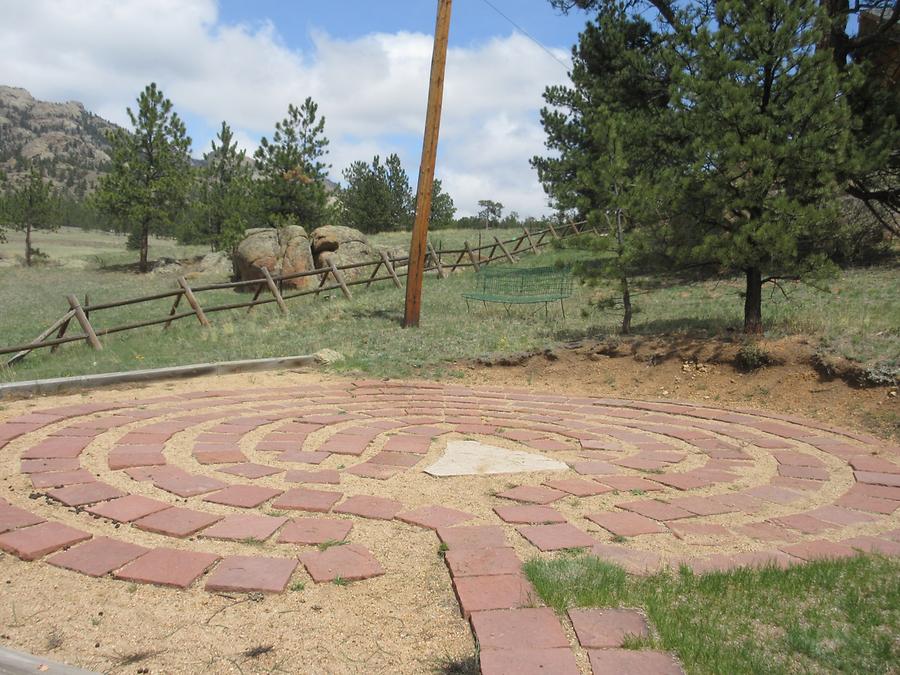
(59, 384)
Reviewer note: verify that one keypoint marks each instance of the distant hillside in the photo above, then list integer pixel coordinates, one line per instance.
(67, 140)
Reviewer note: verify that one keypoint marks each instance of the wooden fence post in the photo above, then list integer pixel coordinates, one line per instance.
(172, 311)
(437, 261)
(530, 240)
(389, 264)
(89, 333)
(472, 257)
(192, 301)
(553, 231)
(375, 271)
(336, 273)
(274, 289)
(505, 251)
(60, 323)
(63, 327)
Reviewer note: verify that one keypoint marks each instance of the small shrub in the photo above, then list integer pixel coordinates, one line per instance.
(751, 357)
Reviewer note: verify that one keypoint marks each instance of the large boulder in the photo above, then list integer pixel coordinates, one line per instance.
(284, 250)
(343, 246)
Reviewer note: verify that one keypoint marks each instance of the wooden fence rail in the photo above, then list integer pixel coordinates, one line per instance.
(395, 268)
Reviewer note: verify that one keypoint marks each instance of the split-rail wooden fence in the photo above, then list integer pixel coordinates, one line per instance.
(273, 286)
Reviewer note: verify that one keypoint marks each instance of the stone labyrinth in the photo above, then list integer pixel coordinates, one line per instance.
(283, 475)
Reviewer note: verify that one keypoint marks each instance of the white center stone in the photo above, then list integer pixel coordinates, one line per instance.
(471, 458)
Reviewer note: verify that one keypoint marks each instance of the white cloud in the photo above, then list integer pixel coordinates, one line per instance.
(372, 90)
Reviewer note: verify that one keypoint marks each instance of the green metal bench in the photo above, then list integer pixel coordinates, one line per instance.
(521, 286)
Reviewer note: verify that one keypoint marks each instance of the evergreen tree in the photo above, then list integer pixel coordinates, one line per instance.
(377, 197)
(33, 205)
(491, 212)
(291, 185)
(149, 180)
(443, 210)
(226, 206)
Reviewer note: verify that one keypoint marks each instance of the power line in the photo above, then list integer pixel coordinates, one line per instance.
(528, 35)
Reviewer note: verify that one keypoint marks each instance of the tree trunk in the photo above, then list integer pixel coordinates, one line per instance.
(626, 302)
(28, 245)
(753, 301)
(145, 246)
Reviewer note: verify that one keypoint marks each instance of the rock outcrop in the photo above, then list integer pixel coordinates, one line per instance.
(282, 251)
(343, 246)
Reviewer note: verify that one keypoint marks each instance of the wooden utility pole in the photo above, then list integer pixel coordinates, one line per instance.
(418, 246)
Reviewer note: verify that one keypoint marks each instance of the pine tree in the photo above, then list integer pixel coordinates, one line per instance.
(443, 210)
(377, 197)
(149, 180)
(291, 185)
(226, 205)
(33, 205)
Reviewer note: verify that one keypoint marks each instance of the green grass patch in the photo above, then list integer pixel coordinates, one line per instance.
(823, 617)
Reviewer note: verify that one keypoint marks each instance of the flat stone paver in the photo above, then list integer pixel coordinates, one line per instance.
(496, 591)
(324, 476)
(556, 537)
(626, 524)
(251, 470)
(473, 562)
(529, 515)
(128, 508)
(242, 496)
(655, 509)
(314, 531)
(629, 483)
(89, 493)
(376, 471)
(249, 574)
(434, 517)
(578, 487)
(12, 517)
(350, 562)
(98, 557)
(167, 567)
(177, 522)
(379, 508)
(31, 543)
(532, 494)
(528, 662)
(632, 662)
(61, 478)
(305, 499)
(472, 536)
(244, 526)
(472, 458)
(818, 550)
(531, 628)
(603, 628)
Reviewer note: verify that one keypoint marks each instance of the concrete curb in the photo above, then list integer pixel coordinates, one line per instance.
(60, 384)
(19, 663)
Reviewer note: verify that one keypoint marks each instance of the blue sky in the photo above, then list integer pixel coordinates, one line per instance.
(366, 63)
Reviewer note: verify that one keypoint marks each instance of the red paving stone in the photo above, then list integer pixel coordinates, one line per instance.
(473, 562)
(56, 448)
(766, 531)
(379, 508)
(684, 530)
(655, 509)
(626, 524)
(629, 483)
(314, 531)
(876, 478)
(873, 545)
(578, 487)
(556, 537)
(434, 517)
(803, 472)
(528, 661)
(98, 557)
(802, 522)
(216, 455)
(398, 459)
(62, 478)
(595, 468)
(305, 499)
(30, 543)
(302, 457)
(818, 549)
(248, 574)
(854, 500)
(702, 506)
(243, 496)
(633, 662)
(42, 465)
(350, 562)
(128, 508)
(874, 464)
(516, 629)
(250, 470)
(529, 515)
(184, 484)
(776, 495)
(682, 481)
(497, 591)
(322, 476)
(472, 536)
(602, 628)
(12, 517)
(414, 444)
(89, 493)
(532, 494)
(126, 460)
(376, 471)
(167, 567)
(797, 459)
(244, 526)
(177, 522)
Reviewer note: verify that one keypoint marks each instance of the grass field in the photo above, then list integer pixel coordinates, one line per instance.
(859, 318)
(822, 617)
